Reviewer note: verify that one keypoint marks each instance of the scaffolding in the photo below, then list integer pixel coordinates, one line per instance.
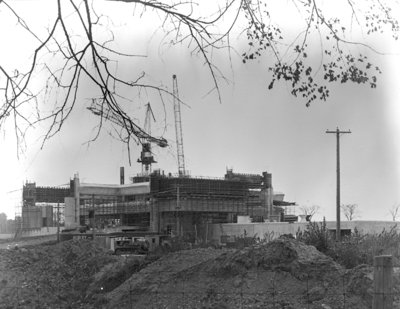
(32, 194)
(162, 203)
(175, 202)
(40, 207)
(112, 211)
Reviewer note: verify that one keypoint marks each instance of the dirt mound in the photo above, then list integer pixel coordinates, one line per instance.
(49, 276)
(360, 282)
(162, 279)
(289, 255)
(281, 274)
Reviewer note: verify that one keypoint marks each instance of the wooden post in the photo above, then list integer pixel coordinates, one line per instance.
(207, 231)
(383, 287)
(178, 227)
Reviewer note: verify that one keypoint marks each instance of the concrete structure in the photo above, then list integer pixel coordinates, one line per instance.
(168, 204)
(196, 208)
(7, 236)
(32, 217)
(37, 210)
(179, 205)
(273, 230)
(43, 231)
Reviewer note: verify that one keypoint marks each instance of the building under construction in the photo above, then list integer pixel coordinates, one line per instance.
(39, 206)
(162, 203)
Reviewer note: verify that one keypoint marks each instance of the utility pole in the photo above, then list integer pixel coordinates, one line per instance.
(58, 222)
(94, 218)
(338, 132)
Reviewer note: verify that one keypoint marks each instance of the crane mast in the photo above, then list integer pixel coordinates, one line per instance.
(178, 127)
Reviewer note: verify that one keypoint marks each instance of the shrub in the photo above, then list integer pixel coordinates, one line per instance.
(349, 252)
(317, 235)
(354, 249)
(384, 243)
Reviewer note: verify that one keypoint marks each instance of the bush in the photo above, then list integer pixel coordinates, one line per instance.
(349, 252)
(384, 243)
(317, 235)
(354, 249)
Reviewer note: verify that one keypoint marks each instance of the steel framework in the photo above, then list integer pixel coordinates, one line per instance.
(178, 127)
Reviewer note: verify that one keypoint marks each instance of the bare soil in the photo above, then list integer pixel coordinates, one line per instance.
(49, 275)
(281, 274)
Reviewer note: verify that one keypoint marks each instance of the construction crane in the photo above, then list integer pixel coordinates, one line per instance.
(123, 120)
(178, 127)
(146, 156)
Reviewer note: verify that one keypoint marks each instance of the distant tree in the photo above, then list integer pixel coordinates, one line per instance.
(395, 211)
(350, 211)
(78, 45)
(10, 226)
(3, 223)
(309, 211)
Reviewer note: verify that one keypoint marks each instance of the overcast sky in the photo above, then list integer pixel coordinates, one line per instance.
(252, 130)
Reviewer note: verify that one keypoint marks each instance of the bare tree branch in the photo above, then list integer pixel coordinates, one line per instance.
(309, 211)
(350, 211)
(82, 52)
(395, 211)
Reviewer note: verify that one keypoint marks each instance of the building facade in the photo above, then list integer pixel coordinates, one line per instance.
(168, 204)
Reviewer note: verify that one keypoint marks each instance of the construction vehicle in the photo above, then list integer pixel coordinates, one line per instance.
(134, 245)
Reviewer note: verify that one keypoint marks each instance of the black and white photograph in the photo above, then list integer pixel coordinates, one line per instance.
(179, 154)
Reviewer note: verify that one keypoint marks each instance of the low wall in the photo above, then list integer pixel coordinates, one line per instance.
(41, 231)
(275, 229)
(6, 236)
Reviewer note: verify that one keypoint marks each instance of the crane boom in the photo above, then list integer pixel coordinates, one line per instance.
(148, 117)
(178, 127)
(123, 120)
